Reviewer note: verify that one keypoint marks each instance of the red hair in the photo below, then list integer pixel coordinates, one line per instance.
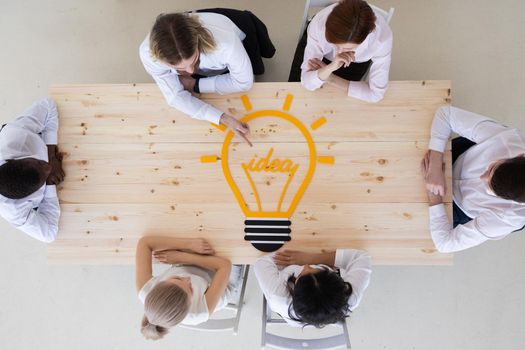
(350, 22)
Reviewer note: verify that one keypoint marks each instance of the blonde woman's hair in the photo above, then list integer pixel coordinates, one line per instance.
(176, 36)
(165, 306)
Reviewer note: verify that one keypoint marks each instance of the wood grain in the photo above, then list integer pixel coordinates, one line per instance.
(133, 168)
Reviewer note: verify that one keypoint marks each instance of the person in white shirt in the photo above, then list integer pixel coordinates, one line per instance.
(30, 169)
(314, 289)
(189, 291)
(343, 42)
(201, 53)
(488, 179)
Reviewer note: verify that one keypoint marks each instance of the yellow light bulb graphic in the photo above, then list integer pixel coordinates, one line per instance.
(267, 223)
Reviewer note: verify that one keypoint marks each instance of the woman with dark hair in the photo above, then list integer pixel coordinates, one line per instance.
(314, 288)
(342, 42)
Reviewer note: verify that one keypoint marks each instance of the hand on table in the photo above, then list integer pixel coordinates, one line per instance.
(201, 246)
(433, 171)
(169, 256)
(239, 128)
(55, 160)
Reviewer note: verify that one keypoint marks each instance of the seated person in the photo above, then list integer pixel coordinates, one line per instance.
(488, 179)
(314, 288)
(342, 42)
(30, 169)
(202, 53)
(188, 292)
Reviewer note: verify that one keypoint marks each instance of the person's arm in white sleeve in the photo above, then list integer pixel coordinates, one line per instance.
(267, 274)
(472, 126)
(355, 268)
(374, 89)
(174, 93)
(41, 117)
(42, 223)
(310, 79)
(480, 229)
(240, 76)
(447, 120)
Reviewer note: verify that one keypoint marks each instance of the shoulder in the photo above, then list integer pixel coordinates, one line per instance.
(143, 293)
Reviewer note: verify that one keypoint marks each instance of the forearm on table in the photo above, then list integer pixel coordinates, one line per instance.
(338, 82)
(209, 262)
(155, 243)
(326, 258)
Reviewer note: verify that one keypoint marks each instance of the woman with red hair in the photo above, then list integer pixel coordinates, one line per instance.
(343, 41)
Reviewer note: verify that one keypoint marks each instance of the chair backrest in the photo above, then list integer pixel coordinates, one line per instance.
(387, 15)
(224, 324)
(311, 4)
(325, 343)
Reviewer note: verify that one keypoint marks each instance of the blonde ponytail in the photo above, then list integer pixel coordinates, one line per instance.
(151, 331)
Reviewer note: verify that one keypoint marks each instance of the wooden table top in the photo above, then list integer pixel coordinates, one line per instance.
(134, 166)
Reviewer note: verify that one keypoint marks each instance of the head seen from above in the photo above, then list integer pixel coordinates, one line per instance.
(21, 177)
(349, 24)
(506, 178)
(178, 39)
(166, 305)
(319, 297)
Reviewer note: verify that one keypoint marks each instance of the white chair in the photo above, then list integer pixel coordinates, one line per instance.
(224, 324)
(287, 343)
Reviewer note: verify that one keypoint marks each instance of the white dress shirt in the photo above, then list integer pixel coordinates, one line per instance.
(354, 265)
(27, 137)
(493, 217)
(229, 54)
(200, 281)
(377, 46)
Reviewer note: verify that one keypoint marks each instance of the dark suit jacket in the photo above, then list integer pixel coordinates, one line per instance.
(257, 42)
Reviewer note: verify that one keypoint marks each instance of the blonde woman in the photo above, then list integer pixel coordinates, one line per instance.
(189, 291)
(201, 53)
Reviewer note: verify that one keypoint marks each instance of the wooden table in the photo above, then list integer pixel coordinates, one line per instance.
(135, 167)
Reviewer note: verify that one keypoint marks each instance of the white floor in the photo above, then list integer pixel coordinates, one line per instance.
(476, 304)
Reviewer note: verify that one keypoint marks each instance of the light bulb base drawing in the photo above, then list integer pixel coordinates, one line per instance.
(267, 234)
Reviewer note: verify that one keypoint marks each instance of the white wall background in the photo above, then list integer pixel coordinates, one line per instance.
(476, 304)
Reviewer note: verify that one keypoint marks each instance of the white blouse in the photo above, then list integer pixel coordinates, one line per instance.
(377, 46)
(493, 217)
(229, 54)
(200, 281)
(354, 265)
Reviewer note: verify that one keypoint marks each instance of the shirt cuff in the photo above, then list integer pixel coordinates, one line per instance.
(438, 145)
(207, 85)
(213, 115)
(50, 137)
(339, 257)
(311, 81)
(50, 191)
(437, 211)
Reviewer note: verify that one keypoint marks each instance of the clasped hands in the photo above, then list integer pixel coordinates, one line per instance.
(433, 172)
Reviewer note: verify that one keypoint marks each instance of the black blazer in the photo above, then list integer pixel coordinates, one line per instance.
(257, 42)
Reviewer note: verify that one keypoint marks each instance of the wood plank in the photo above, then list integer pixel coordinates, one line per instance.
(386, 172)
(138, 114)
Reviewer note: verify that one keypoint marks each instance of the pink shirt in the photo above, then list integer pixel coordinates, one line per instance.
(377, 46)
